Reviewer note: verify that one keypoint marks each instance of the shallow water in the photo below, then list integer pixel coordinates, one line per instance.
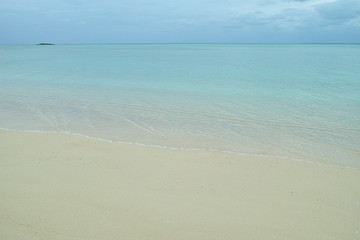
(296, 101)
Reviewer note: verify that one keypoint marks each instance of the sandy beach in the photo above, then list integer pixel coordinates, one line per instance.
(58, 186)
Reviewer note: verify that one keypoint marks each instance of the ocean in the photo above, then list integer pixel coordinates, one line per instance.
(294, 101)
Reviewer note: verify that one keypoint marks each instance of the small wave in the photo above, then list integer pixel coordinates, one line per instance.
(182, 148)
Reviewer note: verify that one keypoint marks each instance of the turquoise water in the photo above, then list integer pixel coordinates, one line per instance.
(293, 101)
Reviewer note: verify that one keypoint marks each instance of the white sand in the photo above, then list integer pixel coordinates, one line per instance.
(56, 186)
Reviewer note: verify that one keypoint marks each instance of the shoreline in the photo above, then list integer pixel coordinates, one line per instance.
(60, 186)
(251, 155)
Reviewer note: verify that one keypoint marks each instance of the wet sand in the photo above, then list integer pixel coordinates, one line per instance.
(57, 186)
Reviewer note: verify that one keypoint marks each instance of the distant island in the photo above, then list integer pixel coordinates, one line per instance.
(45, 44)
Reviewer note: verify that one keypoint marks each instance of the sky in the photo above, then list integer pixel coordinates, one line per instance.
(180, 21)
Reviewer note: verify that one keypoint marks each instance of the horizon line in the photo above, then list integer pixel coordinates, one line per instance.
(129, 43)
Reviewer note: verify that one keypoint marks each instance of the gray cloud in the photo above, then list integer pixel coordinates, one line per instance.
(340, 9)
(170, 20)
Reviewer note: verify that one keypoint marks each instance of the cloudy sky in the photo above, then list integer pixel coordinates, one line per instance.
(183, 21)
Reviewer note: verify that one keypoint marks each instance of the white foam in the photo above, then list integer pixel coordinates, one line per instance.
(182, 148)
